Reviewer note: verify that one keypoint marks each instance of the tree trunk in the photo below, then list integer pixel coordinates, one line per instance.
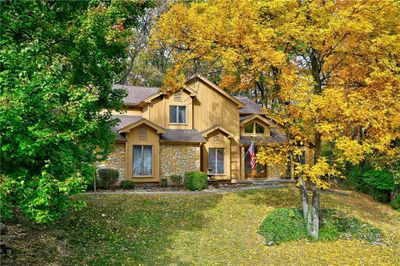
(314, 213)
(304, 202)
(311, 215)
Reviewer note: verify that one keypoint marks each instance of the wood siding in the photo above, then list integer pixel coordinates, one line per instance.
(212, 108)
(158, 110)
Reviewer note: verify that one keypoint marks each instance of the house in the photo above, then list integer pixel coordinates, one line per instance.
(200, 128)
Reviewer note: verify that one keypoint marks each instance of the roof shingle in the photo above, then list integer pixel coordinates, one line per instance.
(136, 94)
(182, 135)
(124, 120)
(276, 137)
(250, 106)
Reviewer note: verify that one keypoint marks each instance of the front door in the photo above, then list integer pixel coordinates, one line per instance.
(259, 172)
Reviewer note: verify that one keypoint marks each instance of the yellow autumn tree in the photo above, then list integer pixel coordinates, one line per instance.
(329, 72)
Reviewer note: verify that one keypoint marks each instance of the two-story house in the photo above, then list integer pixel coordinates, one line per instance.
(200, 128)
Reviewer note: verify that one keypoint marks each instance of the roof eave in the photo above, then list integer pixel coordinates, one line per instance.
(181, 141)
(127, 128)
(214, 86)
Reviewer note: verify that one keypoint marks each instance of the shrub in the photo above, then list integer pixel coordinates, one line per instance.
(283, 224)
(164, 182)
(395, 203)
(127, 184)
(176, 179)
(196, 180)
(336, 224)
(106, 177)
(288, 224)
(380, 184)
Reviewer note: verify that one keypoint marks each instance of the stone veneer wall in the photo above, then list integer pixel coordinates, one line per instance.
(178, 159)
(116, 160)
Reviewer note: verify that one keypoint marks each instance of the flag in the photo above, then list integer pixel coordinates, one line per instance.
(252, 156)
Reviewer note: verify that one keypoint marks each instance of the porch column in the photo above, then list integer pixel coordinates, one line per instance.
(242, 165)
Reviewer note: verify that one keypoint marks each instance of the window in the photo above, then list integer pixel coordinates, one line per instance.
(177, 114)
(216, 161)
(259, 129)
(249, 128)
(142, 160)
(254, 128)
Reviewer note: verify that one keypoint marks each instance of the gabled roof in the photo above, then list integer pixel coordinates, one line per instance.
(215, 87)
(250, 107)
(136, 94)
(249, 118)
(217, 127)
(182, 135)
(127, 122)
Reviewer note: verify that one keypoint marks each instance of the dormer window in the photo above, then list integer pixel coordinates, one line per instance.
(259, 129)
(249, 128)
(254, 128)
(177, 114)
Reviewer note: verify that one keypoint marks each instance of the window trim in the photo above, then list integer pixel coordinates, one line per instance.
(177, 115)
(254, 132)
(152, 160)
(216, 162)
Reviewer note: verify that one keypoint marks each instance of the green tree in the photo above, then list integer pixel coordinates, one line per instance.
(58, 62)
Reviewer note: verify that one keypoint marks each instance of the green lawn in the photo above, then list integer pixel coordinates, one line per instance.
(203, 229)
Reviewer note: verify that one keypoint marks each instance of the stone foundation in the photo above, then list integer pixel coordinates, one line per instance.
(178, 159)
(116, 160)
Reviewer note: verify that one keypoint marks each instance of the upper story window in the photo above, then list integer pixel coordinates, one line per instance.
(254, 128)
(177, 114)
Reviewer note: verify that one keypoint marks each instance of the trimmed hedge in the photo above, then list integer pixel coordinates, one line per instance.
(106, 177)
(127, 184)
(196, 180)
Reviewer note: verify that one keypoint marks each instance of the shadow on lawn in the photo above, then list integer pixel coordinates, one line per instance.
(115, 229)
(276, 197)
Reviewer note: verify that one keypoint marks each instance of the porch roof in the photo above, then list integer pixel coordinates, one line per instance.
(182, 135)
(276, 137)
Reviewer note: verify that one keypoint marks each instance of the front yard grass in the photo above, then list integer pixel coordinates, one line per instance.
(202, 229)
